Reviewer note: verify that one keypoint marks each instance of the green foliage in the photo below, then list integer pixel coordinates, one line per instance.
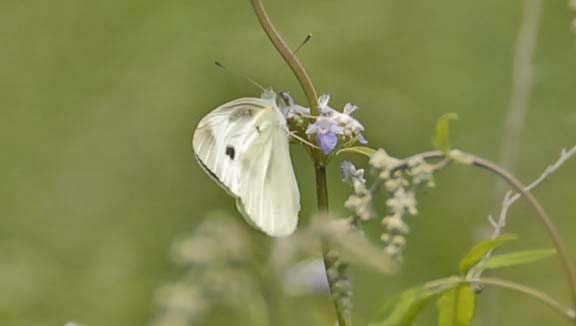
(403, 309)
(441, 139)
(457, 302)
(518, 258)
(456, 307)
(481, 249)
(364, 150)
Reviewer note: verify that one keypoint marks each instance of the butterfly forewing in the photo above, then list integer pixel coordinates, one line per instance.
(243, 145)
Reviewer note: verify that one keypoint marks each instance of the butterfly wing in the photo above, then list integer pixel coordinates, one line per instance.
(243, 145)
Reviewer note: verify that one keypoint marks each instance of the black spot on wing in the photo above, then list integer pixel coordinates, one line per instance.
(230, 152)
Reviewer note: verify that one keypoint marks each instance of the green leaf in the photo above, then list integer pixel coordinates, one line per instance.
(364, 150)
(518, 258)
(481, 249)
(401, 310)
(442, 131)
(456, 307)
(406, 307)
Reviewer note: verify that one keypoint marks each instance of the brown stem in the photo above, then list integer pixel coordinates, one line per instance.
(292, 60)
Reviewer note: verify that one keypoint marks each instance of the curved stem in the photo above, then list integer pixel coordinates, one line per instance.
(288, 55)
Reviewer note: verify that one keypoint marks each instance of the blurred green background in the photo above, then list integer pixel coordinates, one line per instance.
(99, 100)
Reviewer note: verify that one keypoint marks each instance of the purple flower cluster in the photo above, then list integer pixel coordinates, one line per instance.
(331, 125)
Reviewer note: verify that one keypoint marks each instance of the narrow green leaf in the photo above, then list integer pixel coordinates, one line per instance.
(442, 131)
(456, 307)
(364, 150)
(401, 310)
(481, 249)
(518, 258)
(407, 307)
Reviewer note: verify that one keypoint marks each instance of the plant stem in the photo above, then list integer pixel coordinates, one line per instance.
(322, 202)
(288, 55)
(318, 158)
(321, 188)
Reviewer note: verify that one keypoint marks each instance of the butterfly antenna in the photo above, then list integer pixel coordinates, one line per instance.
(298, 48)
(252, 81)
(308, 38)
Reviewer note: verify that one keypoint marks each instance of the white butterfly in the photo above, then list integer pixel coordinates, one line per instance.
(243, 146)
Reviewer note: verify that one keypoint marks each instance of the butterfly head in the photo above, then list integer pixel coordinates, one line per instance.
(269, 95)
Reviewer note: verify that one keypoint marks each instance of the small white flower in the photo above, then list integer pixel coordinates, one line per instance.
(421, 172)
(392, 250)
(351, 126)
(385, 237)
(360, 202)
(395, 183)
(381, 160)
(361, 206)
(401, 201)
(399, 241)
(395, 223)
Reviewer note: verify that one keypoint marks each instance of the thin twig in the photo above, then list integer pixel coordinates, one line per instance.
(510, 199)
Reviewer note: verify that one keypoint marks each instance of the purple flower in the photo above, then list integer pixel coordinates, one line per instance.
(350, 126)
(327, 132)
(350, 174)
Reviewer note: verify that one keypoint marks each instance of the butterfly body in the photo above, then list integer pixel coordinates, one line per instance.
(243, 145)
